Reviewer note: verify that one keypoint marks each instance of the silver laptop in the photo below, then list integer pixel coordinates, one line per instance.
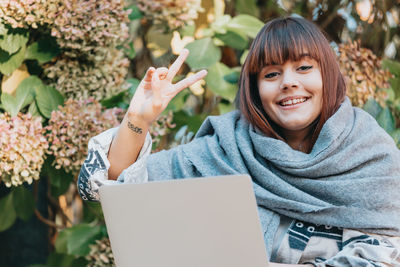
(197, 222)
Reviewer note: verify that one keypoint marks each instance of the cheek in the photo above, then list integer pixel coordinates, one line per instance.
(267, 91)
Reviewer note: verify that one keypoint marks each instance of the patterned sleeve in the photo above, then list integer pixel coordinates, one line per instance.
(94, 171)
(362, 249)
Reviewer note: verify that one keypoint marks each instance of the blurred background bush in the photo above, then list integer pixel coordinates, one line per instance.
(69, 68)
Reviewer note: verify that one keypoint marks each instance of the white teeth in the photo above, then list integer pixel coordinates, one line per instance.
(293, 101)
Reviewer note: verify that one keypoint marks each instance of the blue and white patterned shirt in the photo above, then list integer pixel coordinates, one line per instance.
(295, 242)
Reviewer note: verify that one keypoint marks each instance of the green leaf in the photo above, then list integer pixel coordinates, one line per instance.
(396, 136)
(203, 54)
(233, 39)
(395, 83)
(225, 107)
(129, 50)
(135, 13)
(24, 203)
(393, 66)
(114, 101)
(60, 260)
(92, 211)
(232, 77)
(59, 179)
(10, 62)
(372, 107)
(3, 29)
(80, 237)
(7, 212)
(62, 240)
(134, 83)
(178, 101)
(9, 104)
(247, 7)
(193, 122)
(243, 57)
(14, 40)
(187, 30)
(76, 239)
(48, 99)
(245, 24)
(25, 93)
(386, 120)
(44, 50)
(220, 24)
(216, 82)
(33, 110)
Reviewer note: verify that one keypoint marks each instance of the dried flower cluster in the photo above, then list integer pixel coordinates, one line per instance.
(71, 127)
(28, 13)
(100, 254)
(171, 14)
(86, 25)
(365, 76)
(99, 80)
(23, 146)
(159, 128)
(89, 32)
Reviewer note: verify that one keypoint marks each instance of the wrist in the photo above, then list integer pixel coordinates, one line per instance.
(135, 119)
(136, 125)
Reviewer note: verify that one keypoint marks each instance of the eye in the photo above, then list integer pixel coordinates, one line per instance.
(271, 75)
(304, 68)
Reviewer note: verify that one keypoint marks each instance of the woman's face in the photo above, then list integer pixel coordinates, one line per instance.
(291, 93)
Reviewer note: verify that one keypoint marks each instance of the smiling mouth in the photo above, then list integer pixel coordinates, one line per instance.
(293, 101)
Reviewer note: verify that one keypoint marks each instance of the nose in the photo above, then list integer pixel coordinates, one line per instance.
(289, 81)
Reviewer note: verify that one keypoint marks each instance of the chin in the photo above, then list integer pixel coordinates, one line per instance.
(295, 126)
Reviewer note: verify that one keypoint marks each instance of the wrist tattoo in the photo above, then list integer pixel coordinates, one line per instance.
(134, 128)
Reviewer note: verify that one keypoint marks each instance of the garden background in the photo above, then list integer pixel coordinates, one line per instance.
(68, 71)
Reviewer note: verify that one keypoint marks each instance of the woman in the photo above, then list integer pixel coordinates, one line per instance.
(326, 176)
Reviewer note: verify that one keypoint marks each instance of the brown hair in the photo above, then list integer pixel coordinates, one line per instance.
(285, 39)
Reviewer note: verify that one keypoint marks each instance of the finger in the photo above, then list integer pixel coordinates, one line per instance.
(190, 80)
(162, 73)
(149, 74)
(155, 86)
(146, 82)
(174, 68)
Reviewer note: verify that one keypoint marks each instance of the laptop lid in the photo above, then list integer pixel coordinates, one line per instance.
(199, 222)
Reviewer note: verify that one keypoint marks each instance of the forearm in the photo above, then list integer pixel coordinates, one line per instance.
(126, 145)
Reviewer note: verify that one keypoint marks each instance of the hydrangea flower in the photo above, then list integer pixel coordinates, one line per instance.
(86, 25)
(364, 73)
(88, 32)
(100, 79)
(159, 128)
(71, 127)
(23, 147)
(100, 254)
(171, 14)
(29, 13)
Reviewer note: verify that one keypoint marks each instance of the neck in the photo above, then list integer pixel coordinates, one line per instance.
(298, 140)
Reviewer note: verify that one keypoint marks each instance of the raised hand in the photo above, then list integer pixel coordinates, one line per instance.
(156, 90)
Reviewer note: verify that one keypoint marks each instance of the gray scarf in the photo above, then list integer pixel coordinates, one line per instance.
(351, 178)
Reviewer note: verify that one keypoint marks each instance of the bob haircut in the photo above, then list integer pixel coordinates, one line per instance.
(285, 39)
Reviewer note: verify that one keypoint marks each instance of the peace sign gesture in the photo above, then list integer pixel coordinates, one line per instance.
(156, 90)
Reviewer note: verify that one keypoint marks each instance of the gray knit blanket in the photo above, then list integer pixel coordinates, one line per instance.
(351, 178)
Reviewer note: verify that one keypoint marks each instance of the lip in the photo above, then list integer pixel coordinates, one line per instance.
(295, 105)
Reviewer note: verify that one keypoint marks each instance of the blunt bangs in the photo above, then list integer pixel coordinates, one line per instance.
(284, 40)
